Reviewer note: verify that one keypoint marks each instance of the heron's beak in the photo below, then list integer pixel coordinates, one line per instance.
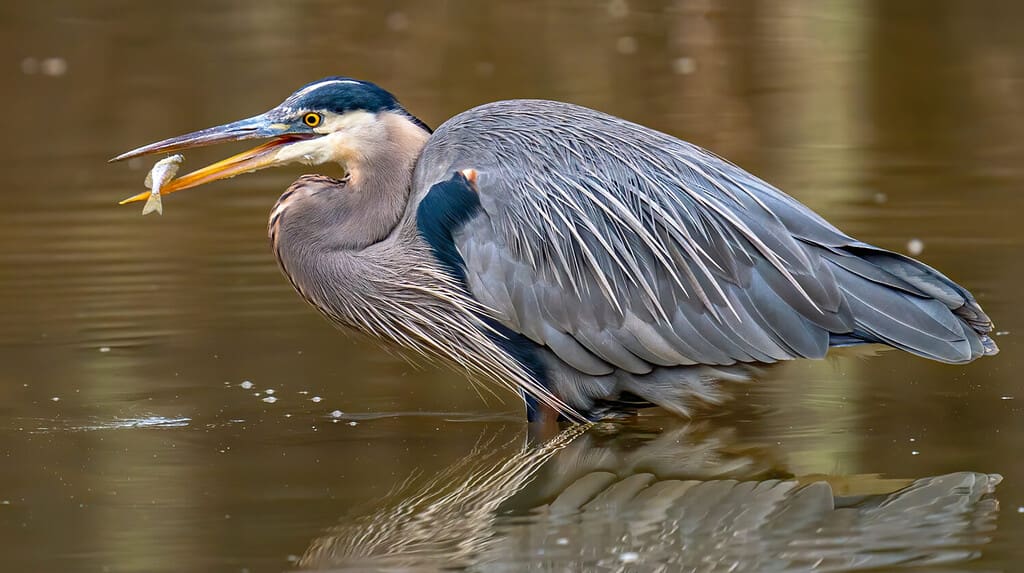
(259, 157)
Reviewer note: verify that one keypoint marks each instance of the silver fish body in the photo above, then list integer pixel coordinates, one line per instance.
(162, 172)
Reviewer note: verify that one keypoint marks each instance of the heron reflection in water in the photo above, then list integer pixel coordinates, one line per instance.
(632, 497)
(585, 261)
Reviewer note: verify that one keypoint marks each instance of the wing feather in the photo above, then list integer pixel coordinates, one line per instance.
(617, 246)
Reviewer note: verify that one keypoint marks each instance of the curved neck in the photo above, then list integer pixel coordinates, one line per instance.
(332, 236)
(342, 236)
(379, 176)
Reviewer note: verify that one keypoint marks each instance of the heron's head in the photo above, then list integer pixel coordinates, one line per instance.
(333, 120)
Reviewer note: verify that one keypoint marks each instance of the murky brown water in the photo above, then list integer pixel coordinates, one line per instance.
(129, 443)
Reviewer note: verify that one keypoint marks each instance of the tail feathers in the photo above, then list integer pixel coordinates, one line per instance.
(932, 283)
(904, 303)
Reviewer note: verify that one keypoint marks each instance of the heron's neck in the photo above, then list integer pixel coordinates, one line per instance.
(345, 238)
(379, 178)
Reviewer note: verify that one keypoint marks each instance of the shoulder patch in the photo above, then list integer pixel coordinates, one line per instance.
(444, 210)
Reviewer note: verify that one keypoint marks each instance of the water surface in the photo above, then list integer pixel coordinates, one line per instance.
(138, 429)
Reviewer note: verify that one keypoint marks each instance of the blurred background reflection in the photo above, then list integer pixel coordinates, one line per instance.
(169, 404)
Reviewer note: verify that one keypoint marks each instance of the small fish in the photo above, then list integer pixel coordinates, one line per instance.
(162, 172)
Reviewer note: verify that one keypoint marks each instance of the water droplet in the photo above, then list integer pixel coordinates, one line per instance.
(684, 66)
(629, 557)
(269, 391)
(397, 21)
(484, 69)
(337, 414)
(353, 423)
(29, 66)
(55, 398)
(104, 349)
(54, 67)
(915, 453)
(246, 384)
(270, 399)
(316, 399)
(626, 45)
(915, 246)
(618, 9)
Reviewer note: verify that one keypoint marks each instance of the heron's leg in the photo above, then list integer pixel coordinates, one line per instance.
(544, 423)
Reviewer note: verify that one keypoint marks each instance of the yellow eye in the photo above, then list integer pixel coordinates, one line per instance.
(312, 119)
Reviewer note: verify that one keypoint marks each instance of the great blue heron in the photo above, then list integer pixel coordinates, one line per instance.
(575, 257)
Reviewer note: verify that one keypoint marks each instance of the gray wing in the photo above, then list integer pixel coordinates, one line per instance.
(617, 246)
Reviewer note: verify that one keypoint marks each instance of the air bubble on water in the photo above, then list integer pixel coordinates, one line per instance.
(915, 246)
(618, 8)
(1006, 397)
(54, 67)
(29, 66)
(629, 556)
(626, 45)
(398, 21)
(562, 541)
(1020, 509)
(270, 399)
(484, 69)
(55, 399)
(1002, 332)
(269, 391)
(246, 384)
(304, 392)
(337, 414)
(104, 349)
(915, 453)
(684, 66)
(353, 423)
(316, 399)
